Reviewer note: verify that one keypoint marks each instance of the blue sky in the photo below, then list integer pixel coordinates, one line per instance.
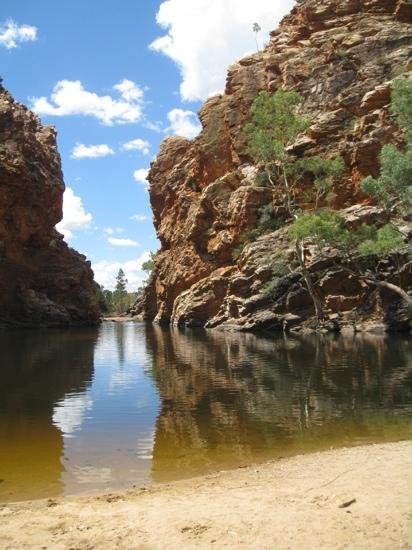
(115, 78)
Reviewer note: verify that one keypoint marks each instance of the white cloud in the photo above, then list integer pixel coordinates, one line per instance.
(70, 413)
(141, 175)
(11, 34)
(112, 230)
(139, 218)
(75, 217)
(183, 123)
(105, 271)
(205, 36)
(154, 126)
(69, 97)
(129, 90)
(137, 145)
(81, 151)
(122, 242)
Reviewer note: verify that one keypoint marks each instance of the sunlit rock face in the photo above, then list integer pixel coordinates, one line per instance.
(341, 57)
(43, 282)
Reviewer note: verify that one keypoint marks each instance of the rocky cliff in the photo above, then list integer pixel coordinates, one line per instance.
(43, 282)
(341, 57)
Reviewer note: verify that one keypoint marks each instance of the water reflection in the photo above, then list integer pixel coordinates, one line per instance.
(90, 410)
(113, 448)
(233, 399)
(36, 372)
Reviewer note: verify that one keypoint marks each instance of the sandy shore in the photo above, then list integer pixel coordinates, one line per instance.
(291, 503)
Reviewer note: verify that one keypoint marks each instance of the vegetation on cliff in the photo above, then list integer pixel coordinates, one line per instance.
(275, 126)
(223, 203)
(361, 250)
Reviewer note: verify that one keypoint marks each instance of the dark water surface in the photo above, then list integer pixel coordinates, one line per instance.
(89, 410)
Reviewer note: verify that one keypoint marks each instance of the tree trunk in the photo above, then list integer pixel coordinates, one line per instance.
(288, 194)
(390, 286)
(380, 284)
(308, 280)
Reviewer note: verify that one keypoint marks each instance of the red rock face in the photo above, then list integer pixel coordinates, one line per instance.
(340, 56)
(43, 282)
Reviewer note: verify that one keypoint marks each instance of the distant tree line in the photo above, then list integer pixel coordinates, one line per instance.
(119, 300)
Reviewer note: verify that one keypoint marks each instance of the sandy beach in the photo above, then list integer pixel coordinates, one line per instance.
(359, 497)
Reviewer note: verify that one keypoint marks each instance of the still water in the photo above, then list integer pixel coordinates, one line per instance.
(88, 410)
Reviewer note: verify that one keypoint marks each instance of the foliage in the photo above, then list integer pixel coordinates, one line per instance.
(393, 187)
(324, 172)
(381, 242)
(121, 281)
(327, 228)
(102, 298)
(267, 221)
(109, 301)
(263, 179)
(149, 265)
(256, 29)
(119, 296)
(271, 288)
(321, 227)
(401, 103)
(275, 124)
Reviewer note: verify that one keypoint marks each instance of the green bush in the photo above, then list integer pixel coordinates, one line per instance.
(392, 189)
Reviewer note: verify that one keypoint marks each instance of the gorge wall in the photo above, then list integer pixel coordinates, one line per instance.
(43, 282)
(341, 56)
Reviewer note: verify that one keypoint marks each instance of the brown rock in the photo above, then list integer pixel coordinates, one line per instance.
(341, 57)
(404, 11)
(42, 280)
(377, 98)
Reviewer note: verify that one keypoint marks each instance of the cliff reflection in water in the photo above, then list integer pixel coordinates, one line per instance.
(37, 370)
(86, 410)
(229, 399)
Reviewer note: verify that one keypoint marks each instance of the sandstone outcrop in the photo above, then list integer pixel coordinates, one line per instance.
(43, 282)
(341, 56)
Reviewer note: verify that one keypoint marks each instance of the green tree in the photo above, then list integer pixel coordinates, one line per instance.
(401, 103)
(149, 265)
(275, 126)
(101, 298)
(120, 301)
(256, 29)
(361, 249)
(108, 296)
(358, 249)
(392, 189)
